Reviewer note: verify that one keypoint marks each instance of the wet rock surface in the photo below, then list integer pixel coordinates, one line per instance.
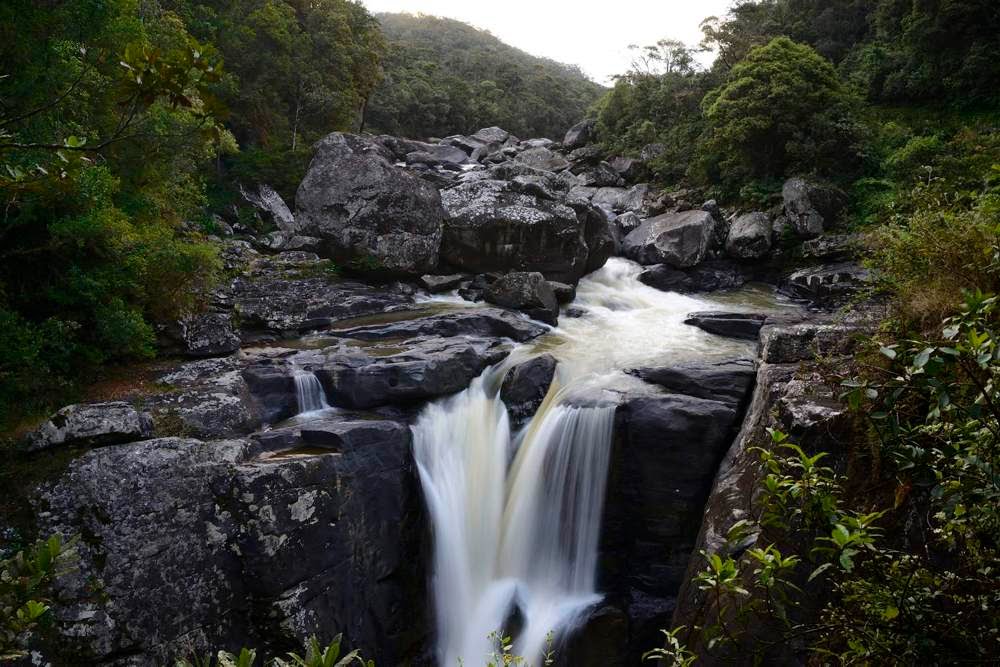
(525, 387)
(706, 277)
(527, 292)
(732, 325)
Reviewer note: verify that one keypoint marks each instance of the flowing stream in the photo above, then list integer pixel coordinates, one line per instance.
(517, 516)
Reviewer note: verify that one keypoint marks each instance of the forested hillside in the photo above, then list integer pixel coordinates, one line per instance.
(443, 76)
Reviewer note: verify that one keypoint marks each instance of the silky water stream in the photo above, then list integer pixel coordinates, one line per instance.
(517, 516)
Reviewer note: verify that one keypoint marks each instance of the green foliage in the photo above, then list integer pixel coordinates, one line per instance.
(24, 579)
(444, 77)
(781, 111)
(657, 101)
(107, 118)
(856, 590)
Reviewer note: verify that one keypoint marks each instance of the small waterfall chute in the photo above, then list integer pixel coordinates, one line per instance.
(309, 392)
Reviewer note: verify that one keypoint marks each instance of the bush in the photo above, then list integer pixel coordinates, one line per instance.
(781, 111)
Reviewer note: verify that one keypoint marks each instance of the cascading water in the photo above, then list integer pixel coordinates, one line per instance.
(522, 532)
(309, 392)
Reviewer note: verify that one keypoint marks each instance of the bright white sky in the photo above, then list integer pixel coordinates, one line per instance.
(594, 35)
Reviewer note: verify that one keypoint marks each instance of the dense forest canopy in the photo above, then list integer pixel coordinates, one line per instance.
(444, 77)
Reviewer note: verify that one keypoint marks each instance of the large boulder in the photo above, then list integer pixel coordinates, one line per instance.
(525, 386)
(680, 240)
(92, 424)
(439, 155)
(428, 368)
(371, 215)
(210, 334)
(731, 325)
(543, 158)
(827, 286)
(491, 226)
(749, 237)
(728, 381)
(321, 544)
(706, 277)
(527, 292)
(478, 322)
(811, 208)
(269, 207)
(600, 232)
(579, 135)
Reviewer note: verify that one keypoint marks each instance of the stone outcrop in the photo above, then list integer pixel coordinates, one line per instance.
(527, 292)
(749, 237)
(493, 227)
(706, 277)
(195, 545)
(370, 214)
(680, 240)
(731, 325)
(91, 424)
(579, 135)
(525, 386)
(811, 208)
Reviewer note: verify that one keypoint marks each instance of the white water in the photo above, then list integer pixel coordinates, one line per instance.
(309, 392)
(517, 517)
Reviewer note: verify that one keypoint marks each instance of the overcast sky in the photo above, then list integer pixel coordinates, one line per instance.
(570, 31)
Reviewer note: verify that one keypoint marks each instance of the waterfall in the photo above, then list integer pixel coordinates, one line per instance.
(517, 520)
(309, 392)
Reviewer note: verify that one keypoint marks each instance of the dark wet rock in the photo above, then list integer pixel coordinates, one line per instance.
(321, 544)
(203, 335)
(492, 227)
(600, 176)
(579, 135)
(749, 237)
(527, 292)
(564, 293)
(481, 322)
(346, 436)
(272, 391)
(543, 158)
(811, 412)
(727, 381)
(435, 284)
(811, 208)
(680, 240)
(600, 233)
(269, 207)
(666, 452)
(369, 213)
(706, 277)
(598, 640)
(91, 424)
(732, 325)
(525, 387)
(827, 286)
(398, 147)
(426, 369)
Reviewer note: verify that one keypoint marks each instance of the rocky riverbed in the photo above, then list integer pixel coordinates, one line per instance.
(212, 514)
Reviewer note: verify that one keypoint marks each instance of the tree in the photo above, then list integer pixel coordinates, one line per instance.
(782, 110)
